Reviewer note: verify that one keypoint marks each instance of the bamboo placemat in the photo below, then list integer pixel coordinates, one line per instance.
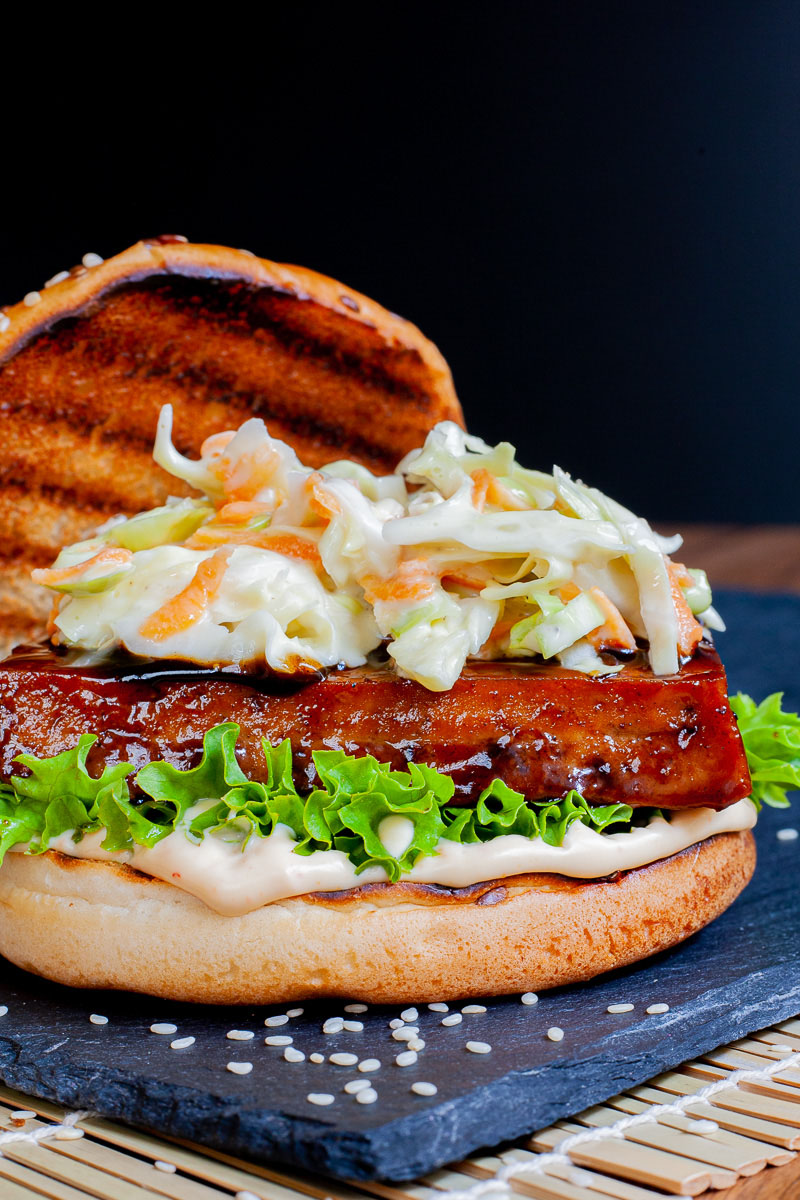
(707, 1125)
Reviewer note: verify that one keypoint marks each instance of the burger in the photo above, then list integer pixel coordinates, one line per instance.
(335, 698)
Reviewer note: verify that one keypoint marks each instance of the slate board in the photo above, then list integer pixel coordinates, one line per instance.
(741, 973)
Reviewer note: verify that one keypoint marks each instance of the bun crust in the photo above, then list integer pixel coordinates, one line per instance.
(86, 364)
(100, 925)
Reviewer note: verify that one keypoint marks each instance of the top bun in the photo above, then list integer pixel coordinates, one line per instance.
(86, 364)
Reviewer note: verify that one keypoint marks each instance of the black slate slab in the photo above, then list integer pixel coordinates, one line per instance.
(741, 973)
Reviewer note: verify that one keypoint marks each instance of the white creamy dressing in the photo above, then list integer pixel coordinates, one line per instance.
(233, 881)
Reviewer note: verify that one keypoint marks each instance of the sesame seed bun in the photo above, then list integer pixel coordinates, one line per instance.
(101, 925)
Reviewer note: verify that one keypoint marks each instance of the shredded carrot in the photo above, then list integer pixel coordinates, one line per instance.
(614, 632)
(690, 631)
(501, 628)
(245, 476)
(567, 592)
(320, 500)
(52, 576)
(52, 630)
(292, 545)
(486, 489)
(413, 580)
(217, 443)
(463, 579)
(481, 480)
(238, 511)
(188, 606)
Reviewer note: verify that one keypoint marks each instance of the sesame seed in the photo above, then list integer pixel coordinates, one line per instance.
(406, 1034)
(3, 1009)
(246, 1196)
(293, 1055)
(316, 1057)
(580, 1177)
(58, 278)
(320, 1098)
(295, 1012)
(4, 322)
(181, 1043)
(424, 1089)
(787, 835)
(353, 1086)
(438, 1006)
(529, 998)
(479, 1048)
(96, 1019)
(368, 1096)
(555, 1034)
(239, 1068)
(657, 1008)
(343, 1060)
(473, 1008)
(278, 1039)
(91, 260)
(22, 1114)
(66, 1133)
(276, 1022)
(409, 1015)
(453, 1019)
(396, 1023)
(163, 1027)
(239, 1035)
(702, 1126)
(31, 298)
(369, 1064)
(406, 1059)
(354, 1026)
(356, 1008)
(167, 1168)
(416, 1044)
(619, 1008)
(333, 1025)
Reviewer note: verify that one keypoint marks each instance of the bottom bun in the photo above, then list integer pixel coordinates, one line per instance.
(101, 925)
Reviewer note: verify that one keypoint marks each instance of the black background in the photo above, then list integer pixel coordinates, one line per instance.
(594, 210)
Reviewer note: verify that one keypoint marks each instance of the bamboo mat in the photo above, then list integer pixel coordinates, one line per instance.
(683, 1141)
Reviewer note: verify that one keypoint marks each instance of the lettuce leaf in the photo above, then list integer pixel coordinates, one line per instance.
(771, 740)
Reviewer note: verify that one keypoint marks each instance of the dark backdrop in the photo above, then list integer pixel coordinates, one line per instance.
(596, 214)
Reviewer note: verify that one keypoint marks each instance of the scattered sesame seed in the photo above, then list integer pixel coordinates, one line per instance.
(416, 1044)
(453, 1019)
(406, 1059)
(239, 1068)
(291, 1054)
(239, 1035)
(276, 1022)
(479, 1048)
(439, 1006)
(657, 1008)
(424, 1089)
(92, 260)
(356, 1008)
(23, 1114)
(246, 1196)
(167, 1168)
(369, 1064)
(787, 835)
(702, 1126)
(473, 1008)
(66, 1133)
(295, 1012)
(354, 1026)
(278, 1039)
(409, 1015)
(368, 1096)
(555, 1034)
(4, 322)
(529, 998)
(58, 278)
(181, 1043)
(396, 1023)
(31, 298)
(406, 1034)
(333, 1025)
(619, 1008)
(96, 1019)
(343, 1060)
(782, 1048)
(321, 1098)
(3, 1010)
(163, 1027)
(353, 1086)
(579, 1177)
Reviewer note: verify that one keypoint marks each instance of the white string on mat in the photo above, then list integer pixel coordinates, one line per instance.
(501, 1181)
(46, 1131)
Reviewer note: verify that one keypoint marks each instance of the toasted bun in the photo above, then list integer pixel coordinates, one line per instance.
(222, 336)
(99, 925)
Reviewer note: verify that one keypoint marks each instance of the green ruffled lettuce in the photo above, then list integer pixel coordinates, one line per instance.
(344, 811)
